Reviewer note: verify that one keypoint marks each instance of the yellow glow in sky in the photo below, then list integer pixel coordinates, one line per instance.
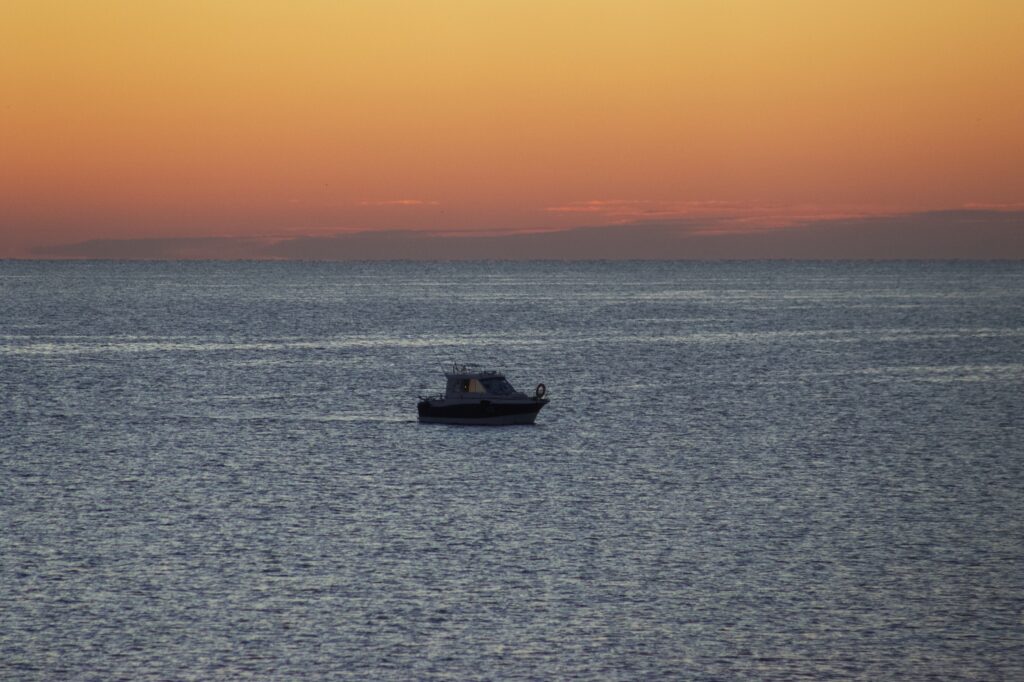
(199, 118)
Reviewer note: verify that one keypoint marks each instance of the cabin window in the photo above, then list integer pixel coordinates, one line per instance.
(471, 386)
(498, 386)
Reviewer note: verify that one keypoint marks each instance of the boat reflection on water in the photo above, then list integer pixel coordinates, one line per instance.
(482, 397)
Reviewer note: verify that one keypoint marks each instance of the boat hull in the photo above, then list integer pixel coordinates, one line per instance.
(481, 413)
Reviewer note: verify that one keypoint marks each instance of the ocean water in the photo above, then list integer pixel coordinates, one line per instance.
(774, 470)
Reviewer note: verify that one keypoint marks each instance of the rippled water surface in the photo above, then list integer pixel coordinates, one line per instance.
(747, 470)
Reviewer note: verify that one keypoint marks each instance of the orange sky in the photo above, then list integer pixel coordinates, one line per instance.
(181, 118)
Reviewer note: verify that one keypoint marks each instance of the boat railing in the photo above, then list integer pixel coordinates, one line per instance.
(470, 368)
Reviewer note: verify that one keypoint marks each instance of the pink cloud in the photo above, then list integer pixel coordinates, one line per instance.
(721, 216)
(401, 202)
(983, 206)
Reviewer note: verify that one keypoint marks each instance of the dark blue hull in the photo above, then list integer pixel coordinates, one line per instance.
(484, 412)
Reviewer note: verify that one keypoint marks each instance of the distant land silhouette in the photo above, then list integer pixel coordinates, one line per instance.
(957, 234)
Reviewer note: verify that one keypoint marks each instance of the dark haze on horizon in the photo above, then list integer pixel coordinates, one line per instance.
(966, 234)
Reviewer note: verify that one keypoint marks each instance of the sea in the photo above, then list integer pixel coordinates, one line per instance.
(747, 471)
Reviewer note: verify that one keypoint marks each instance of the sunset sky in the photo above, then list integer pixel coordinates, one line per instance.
(274, 120)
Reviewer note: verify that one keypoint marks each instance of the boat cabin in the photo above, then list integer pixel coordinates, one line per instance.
(465, 383)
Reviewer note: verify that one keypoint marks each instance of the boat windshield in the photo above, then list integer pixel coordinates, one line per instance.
(498, 386)
(471, 386)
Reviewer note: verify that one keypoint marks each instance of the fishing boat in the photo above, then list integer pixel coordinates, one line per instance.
(477, 396)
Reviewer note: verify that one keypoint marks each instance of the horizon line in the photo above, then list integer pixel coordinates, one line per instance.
(955, 234)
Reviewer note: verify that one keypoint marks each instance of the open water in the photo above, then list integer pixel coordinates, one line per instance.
(747, 471)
